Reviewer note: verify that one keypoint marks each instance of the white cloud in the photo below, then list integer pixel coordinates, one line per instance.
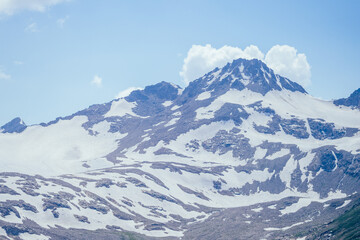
(3, 75)
(284, 60)
(32, 28)
(202, 59)
(9, 7)
(127, 91)
(97, 81)
(61, 21)
(16, 62)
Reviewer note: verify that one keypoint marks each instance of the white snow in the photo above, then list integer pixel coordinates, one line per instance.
(28, 236)
(171, 122)
(167, 103)
(203, 96)
(259, 209)
(272, 206)
(260, 153)
(303, 202)
(57, 149)
(346, 202)
(178, 113)
(175, 107)
(288, 227)
(120, 108)
(285, 174)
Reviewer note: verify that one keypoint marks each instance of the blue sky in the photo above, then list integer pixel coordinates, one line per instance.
(51, 50)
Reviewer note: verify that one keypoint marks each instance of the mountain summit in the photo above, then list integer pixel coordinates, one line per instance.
(242, 74)
(239, 153)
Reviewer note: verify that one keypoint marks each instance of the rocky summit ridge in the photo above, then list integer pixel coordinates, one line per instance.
(240, 153)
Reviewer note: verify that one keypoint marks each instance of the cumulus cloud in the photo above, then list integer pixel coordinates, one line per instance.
(284, 60)
(61, 21)
(202, 59)
(9, 7)
(97, 81)
(127, 91)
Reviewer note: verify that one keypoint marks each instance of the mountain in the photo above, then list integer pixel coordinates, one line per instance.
(240, 153)
(352, 101)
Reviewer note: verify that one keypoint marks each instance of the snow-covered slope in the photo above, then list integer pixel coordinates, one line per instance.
(239, 148)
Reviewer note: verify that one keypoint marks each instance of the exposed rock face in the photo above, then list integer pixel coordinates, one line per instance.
(239, 153)
(14, 126)
(352, 101)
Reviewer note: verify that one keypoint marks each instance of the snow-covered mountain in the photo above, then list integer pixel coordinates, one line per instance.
(241, 153)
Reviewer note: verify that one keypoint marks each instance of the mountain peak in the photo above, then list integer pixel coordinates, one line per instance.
(241, 74)
(16, 125)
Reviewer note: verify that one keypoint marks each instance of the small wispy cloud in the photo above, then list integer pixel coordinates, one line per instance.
(97, 81)
(61, 21)
(10, 7)
(16, 62)
(3, 75)
(32, 27)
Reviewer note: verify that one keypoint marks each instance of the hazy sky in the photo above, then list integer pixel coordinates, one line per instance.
(59, 56)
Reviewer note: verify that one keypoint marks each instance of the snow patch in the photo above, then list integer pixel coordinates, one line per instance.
(120, 108)
(203, 96)
(259, 209)
(167, 103)
(28, 236)
(346, 202)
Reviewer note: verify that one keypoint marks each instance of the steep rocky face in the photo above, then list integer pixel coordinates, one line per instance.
(241, 152)
(241, 74)
(352, 101)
